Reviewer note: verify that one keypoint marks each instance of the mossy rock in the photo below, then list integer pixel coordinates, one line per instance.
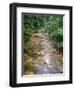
(29, 73)
(39, 58)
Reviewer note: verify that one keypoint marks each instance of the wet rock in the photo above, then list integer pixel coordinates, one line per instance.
(41, 57)
(29, 72)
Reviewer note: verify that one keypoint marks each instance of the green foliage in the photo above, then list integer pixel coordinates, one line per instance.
(56, 31)
(33, 22)
(52, 24)
(57, 35)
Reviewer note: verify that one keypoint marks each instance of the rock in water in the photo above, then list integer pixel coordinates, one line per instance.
(41, 57)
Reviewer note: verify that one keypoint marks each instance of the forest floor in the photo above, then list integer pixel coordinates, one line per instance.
(41, 57)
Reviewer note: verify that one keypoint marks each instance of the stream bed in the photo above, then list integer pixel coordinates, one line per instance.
(41, 57)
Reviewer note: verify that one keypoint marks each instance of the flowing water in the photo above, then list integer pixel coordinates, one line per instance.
(42, 52)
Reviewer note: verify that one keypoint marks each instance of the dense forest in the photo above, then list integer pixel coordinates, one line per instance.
(52, 25)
